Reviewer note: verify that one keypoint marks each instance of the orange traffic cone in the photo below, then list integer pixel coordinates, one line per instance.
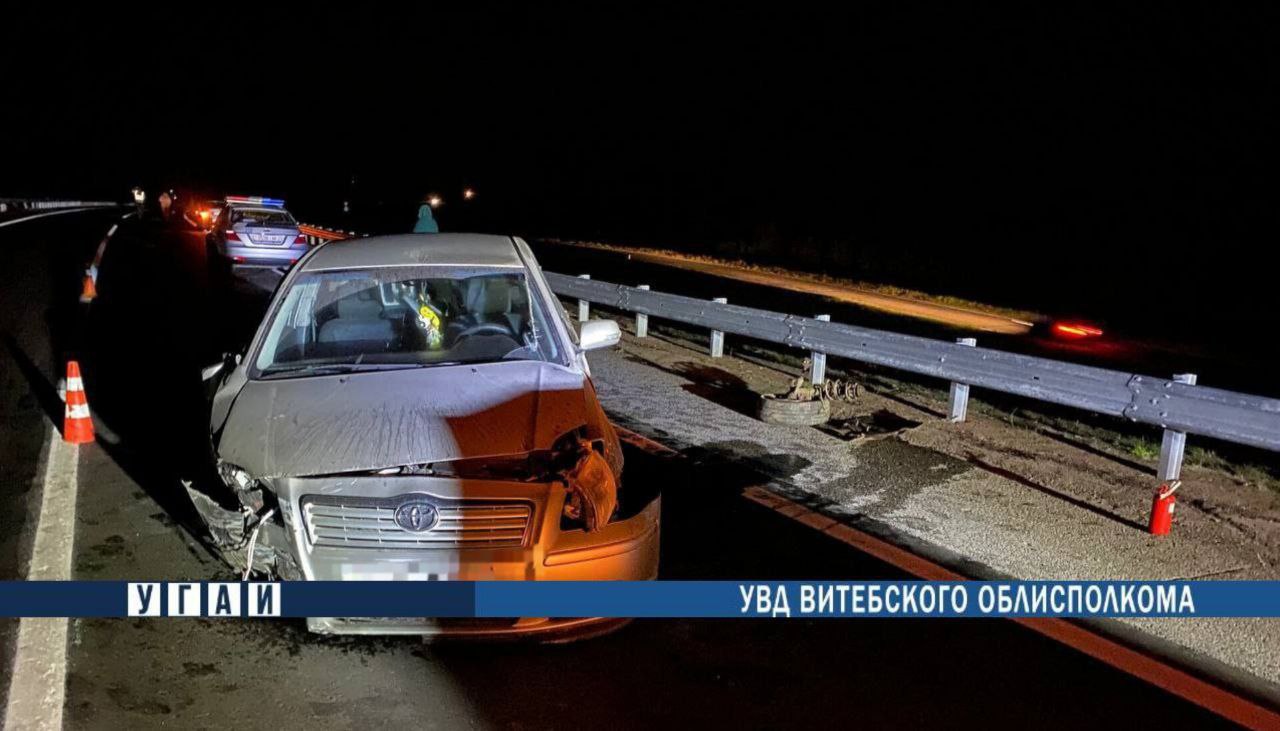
(77, 426)
(90, 289)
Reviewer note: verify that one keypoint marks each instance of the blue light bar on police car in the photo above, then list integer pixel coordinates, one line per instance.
(256, 200)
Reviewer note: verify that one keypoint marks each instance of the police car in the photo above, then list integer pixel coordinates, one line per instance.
(252, 231)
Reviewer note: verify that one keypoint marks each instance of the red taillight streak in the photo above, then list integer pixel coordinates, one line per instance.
(301, 239)
(1073, 330)
(231, 236)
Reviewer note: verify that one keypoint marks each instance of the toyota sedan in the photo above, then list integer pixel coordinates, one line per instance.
(419, 407)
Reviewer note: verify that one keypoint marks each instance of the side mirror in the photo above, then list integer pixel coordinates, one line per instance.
(229, 361)
(596, 334)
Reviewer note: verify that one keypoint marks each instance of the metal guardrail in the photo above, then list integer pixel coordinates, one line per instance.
(319, 234)
(1163, 402)
(1175, 404)
(9, 205)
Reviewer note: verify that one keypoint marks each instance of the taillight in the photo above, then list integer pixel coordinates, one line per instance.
(301, 239)
(231, 236)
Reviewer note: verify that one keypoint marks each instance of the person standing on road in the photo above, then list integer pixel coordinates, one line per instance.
(426, 220)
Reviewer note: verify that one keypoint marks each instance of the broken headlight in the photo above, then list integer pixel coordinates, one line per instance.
(235, 478)
(592, 491)
(246, 487)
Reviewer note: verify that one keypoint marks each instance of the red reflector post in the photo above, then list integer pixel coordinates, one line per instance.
(1162, 508)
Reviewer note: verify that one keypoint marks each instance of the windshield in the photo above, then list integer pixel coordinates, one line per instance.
(371, 319)
(261, 217)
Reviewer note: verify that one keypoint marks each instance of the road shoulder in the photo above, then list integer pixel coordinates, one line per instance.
(1060, 512)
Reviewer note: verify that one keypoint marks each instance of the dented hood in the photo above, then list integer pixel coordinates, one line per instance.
(367, 421)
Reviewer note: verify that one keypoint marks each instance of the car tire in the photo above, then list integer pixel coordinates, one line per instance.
(775, 410)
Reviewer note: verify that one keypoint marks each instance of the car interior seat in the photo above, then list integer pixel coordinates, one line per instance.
(489, 300)
(359, 320)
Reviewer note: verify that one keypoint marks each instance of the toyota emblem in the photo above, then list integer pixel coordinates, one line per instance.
(417, 516)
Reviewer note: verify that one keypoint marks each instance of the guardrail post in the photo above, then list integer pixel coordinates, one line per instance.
(584, 307)
(818, 361)
(1173, 444)
(960, 391)
(717, 337)
(642, 320)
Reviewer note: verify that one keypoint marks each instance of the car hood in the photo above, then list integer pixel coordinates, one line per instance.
(367, 421)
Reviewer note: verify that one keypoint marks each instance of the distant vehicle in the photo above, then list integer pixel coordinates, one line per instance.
(419, 407)
(1074, 329)
(254, 232)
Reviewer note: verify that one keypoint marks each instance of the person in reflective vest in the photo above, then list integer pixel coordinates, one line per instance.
(430, 320)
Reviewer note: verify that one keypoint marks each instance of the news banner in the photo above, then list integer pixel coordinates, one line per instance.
(671, 599)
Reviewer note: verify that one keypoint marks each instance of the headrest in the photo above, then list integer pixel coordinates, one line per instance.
(359, 305)
(488, 296)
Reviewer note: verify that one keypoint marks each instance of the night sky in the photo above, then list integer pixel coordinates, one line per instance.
(1096, 161)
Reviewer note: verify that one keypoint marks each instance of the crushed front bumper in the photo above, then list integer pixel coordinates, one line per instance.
(344, 529)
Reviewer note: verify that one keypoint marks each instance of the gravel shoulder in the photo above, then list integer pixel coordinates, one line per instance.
(1001, 499)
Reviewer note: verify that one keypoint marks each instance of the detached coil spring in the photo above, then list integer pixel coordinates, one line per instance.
(834, 389)
(831, 389)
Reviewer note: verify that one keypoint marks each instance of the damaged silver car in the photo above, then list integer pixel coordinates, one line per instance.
(420, 407)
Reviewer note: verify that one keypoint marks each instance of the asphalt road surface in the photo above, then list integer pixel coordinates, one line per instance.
(157, 321)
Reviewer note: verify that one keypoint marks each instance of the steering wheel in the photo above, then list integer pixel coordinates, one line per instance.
(483, 328)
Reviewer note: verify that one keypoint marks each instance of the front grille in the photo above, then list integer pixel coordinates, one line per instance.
(351, 522)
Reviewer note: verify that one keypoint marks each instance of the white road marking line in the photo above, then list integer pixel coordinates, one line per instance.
(102, 249)
(38, 683)
(50, 213)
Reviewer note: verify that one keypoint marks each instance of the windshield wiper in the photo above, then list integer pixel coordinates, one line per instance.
(318, 369)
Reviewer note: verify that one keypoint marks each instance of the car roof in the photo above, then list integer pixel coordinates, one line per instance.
(478, 250)
(254, 207)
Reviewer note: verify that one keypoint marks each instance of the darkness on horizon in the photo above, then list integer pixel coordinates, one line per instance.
(1116, 164)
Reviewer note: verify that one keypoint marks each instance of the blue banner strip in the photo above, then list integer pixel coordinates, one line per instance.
(569, 599)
